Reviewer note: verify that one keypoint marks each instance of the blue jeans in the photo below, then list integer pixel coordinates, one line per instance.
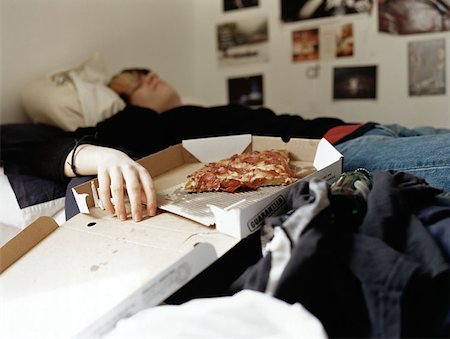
(424, 152)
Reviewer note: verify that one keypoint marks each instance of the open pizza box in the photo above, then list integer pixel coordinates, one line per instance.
(237, 214)
(80, 278)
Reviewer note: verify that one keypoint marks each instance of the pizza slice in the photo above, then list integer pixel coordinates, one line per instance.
(248, 170)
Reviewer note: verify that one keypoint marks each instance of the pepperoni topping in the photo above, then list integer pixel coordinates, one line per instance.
(230, 185)
(247, 170)
(209, 182)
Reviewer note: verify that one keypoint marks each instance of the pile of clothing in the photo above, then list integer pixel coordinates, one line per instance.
(374, 271)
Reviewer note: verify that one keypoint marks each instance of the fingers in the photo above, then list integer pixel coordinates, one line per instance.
(117, 193)
(134, 189)
(140, 189)
(138, 184)
(149, 191)
(104, 191)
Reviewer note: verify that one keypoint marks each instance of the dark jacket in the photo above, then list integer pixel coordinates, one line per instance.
(141, 131)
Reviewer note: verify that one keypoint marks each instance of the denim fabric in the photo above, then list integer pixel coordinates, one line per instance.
(399, 131)
(424, 152)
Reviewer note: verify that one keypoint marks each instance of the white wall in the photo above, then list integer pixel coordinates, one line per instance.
(288, 90)
(41, 36)
(178, 39)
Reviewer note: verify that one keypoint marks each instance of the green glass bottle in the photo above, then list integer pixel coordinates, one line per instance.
(349, 195)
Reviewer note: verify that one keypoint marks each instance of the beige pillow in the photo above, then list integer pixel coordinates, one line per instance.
(76, 97)
(46, 101)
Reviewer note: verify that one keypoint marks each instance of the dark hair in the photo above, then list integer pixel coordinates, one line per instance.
(143, 71)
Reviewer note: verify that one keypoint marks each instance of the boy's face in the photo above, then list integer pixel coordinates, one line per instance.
(146, 90)
(154, 93)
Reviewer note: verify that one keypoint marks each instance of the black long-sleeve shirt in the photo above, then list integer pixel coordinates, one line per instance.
(140, 131)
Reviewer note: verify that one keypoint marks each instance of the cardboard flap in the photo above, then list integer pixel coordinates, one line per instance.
(325, 154)
(223, 217)
(92, 266)
(86, 195)
(217, 148)
(29, 237)
(81, 200)
(155, 290)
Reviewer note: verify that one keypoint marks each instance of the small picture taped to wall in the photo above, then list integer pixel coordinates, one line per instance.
(243, 42)
(344, 41)
(247, 91)
(305, 45)
(295, 10)
(413, 16)
(355, 82)
(426, 67)
(230, 5)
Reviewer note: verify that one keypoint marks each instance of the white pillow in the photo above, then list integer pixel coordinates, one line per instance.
(72, 98)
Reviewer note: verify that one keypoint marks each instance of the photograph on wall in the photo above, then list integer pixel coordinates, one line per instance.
(230, 5)
(426, 66)
(413, 16)
(247, 91)
(344, 41)
(305, 45)
(355, 82)
(296, 10)
(243, 42)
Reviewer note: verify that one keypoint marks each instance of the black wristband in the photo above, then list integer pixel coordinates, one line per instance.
(87, 139)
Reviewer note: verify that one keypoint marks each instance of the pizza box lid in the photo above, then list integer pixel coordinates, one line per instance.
(80, 278)
(236, 214)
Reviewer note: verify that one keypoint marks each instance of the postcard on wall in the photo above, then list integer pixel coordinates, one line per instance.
(344, 40)
(305, 45)
(355, 82)
(426, 67)
(247, 91)
(230, 5)
(295, 10)
(413, 16)
(243, 42)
